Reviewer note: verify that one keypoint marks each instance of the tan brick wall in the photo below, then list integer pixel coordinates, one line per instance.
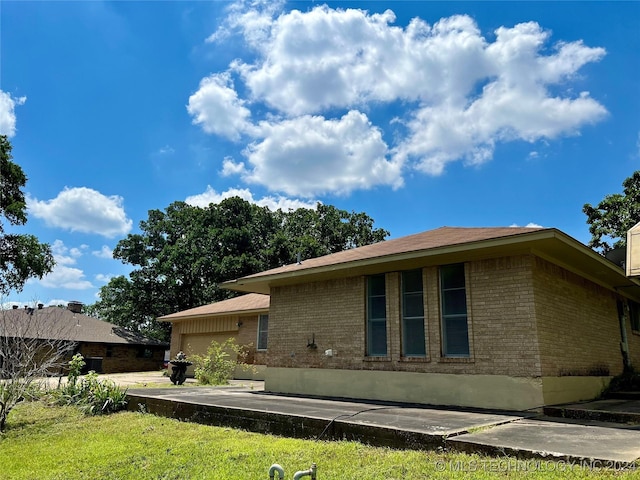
(503, 316)
(578, 323)
(333, 311)
(501, 323)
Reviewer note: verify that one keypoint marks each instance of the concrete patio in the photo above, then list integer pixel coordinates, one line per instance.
(518, 434)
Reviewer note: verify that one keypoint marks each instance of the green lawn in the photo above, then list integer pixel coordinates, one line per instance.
(44, 442)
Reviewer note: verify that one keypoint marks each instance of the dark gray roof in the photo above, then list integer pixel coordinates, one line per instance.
(62, 324)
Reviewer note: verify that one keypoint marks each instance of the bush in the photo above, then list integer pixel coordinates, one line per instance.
(219, 363)
(627, 382)
(93, 396)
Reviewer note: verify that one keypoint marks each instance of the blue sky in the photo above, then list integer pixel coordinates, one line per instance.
(421, 114)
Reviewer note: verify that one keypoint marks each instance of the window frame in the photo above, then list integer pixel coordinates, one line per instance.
(263, 332)
(369, 331)
(634, 317)
(404, 318)
(444, 317)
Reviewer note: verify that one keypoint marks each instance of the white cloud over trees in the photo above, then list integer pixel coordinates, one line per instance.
(306, 96)
(64, 275)
(8, 114)
(83, 209)
(272, 202)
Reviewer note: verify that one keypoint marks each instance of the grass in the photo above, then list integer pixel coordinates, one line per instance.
(44, 442)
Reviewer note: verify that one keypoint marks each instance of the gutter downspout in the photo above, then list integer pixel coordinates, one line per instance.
(276, 468)
(306, 473)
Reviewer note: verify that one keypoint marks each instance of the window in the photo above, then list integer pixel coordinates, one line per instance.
(376, 316)
(413, 338)
(145, 352)
(634, 314)
(263, 331)
(453, 295)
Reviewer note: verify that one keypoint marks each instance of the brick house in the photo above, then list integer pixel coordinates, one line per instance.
(244, 319)
(510, 318)
(106, 348)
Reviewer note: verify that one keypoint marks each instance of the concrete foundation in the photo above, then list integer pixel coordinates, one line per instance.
(477, 391)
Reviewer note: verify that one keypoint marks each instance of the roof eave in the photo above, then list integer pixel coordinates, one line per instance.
(211, 315)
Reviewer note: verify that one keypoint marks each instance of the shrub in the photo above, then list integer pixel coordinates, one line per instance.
(219, 363)
(93, 396)
(626, 382)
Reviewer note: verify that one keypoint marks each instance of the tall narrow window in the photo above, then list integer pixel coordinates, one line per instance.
(455, 335)
(413, 338)
(263, 331)
(634, 313)
(376, 316)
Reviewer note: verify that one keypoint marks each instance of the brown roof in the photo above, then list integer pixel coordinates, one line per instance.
(440, 237)
(252, 302)
(440, 246)
(59, 323)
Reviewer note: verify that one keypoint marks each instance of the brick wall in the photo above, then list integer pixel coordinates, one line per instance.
(578, 323)
(248, 336)
(123, 358)
(501, 323)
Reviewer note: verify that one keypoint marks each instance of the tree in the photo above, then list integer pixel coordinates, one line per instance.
(21, 256)
(610, 220)
(184, 252)
(32, 346)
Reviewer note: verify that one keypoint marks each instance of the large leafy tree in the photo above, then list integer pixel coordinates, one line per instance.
(184, 252)
(610, 219)
(22, 256)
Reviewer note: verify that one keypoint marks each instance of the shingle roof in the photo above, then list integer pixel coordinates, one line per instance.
(441, 246)
(242, 304)
(62, 324)
(431, 239)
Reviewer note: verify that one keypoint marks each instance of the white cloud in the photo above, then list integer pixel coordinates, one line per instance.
(229, 167)
(64, 255)
(273, 203)
(100, 277)
(528, 225)
(166, 150)
(104, 252)
(459, 95)
(252, 17)
(64, 276)
(310, 155)
(7, 113)
(83, 210)
(217, 108)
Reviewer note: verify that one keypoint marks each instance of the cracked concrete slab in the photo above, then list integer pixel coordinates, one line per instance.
(552, 438)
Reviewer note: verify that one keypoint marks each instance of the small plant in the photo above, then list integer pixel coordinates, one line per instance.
(92, 395)
(219, 363)
(626, 382)
(76, 364)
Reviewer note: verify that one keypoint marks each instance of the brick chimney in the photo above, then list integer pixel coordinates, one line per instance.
(74, 306)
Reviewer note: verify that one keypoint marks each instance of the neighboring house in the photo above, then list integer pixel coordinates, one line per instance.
(244, 319)
(511, 318)
(106, 348)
